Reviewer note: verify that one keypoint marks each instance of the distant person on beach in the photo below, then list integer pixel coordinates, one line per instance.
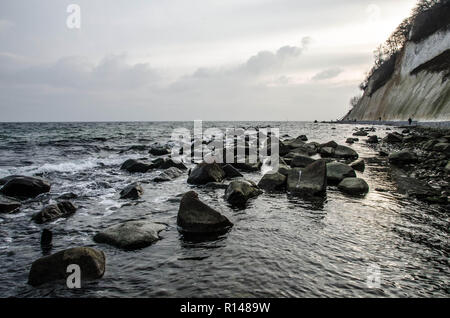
(410, 121)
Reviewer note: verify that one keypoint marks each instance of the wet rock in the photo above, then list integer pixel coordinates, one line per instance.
(8, 205)
(216, 185)
(355, 186)
(447, 167)
(284, 169)
(8, 178)
(332, 144)
(25, 187)
(169, 162)
(361, 133)
(300, 161)
(231, 172)
(372, 139)
(54, 267)
(133, 166)
(337, 171)
(67, 196)
(240, 191)
(168, 175)
(46, 240)
(130, 235)
(273, 182)
(428, 145)
(195, 217)
(311, 181)
(442, 147)
(403, 157)
(54, 211)
(358, 165)
(327, 152)
(415, 187)
(247, 166)
(393, 138)
(350, 140)
(132, 191)
(345, 152)
(204, 173)
(158, 150)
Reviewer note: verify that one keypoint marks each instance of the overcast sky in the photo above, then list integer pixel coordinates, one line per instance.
(186, 60)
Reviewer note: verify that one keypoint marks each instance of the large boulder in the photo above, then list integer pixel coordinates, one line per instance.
(133, 166)
(355, 186)
(204, 173)
(8, 205)
(132, 191)
(300, 161)
(168, 175)
(272, 182)
(331, 144)
(54, 267)
(403, 157)
(337, 171)
(195, 217)
(358, 165)
(311, 181)
(345, 152)
(240, 191)
(130, 235)
(54, 211)
(25, 187)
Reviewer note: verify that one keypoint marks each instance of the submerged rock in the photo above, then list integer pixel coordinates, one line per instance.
(54, 267)
(195, 217)
(240, 191)
(8, 205)
(46, 239)
(337, 171)
(311, 181)
(132, 165)
(204, 173)
(356, 186)
(54, 211)
(168, 175)
(25, 187)
(403, 157)
(132, 191)
(273, 182)
(358, 165)
(360, 133)
(130, 235)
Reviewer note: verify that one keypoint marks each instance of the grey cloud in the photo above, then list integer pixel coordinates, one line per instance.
(327, 74)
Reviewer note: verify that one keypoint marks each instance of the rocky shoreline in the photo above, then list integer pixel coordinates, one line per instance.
(417, 158)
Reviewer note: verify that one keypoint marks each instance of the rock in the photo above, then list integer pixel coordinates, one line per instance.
(311, 181)
(358, 165)
(204, 173)
(326, 152)
(25, 187)
(414, 187)
(67, 196)
(403, 157)
(332, 144)
(302, 138)
(393, 138)
(337, 171)
(361, 133)
(372, 139)
(8, 178)
(168, 175)
(195, 217)
(247, 166)
(231, 172)
(272, 182)
(284, 169)
(300, 161)
(442, 147)
(132, 191)
(345, 152)
(130, 235)
(169, 162)
(293, 179)
(447, 167)
(159, 150)
(8, 205)
(428, 145)
(350, 141)
(240, 191)
(54, 211)
(46, 238)
(54, 267)
(216, 185)
(133, 166)
(383, 153)
(355, 186)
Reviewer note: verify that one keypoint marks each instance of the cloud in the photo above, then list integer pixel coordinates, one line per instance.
(5, 24)
(327, 74)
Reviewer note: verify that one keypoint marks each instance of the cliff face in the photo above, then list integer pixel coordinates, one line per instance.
(418, 87)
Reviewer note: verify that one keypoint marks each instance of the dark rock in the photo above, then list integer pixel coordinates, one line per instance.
(195, 217)
(25, 187)
(204, 173)
(403, 157)
(447, 167)
(372, 139)
(350, 141)
(355, 186)
(361, 133)
(248, 166)
(327, 152)
(46, 239)
(169, 162)
(312, 180)
(8, 205)
(231, 172)
(130, 235)
(284, 169)
(272, 182)
(300, 161)
(168, 175)
(442, 147)
(240, 191)
(133, 166)
(132, 191)
(54, 211)
(54, 267)
(332, 144)
(358, 165)
(8, 178)
(159, 150)
(216, 185)
(337, 171)
(393, 138)
(345, 152)
(67, 196)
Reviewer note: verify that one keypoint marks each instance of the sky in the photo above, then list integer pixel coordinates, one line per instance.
(184, 60)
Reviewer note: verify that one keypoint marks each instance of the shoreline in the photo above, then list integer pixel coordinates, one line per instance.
(400, 123)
